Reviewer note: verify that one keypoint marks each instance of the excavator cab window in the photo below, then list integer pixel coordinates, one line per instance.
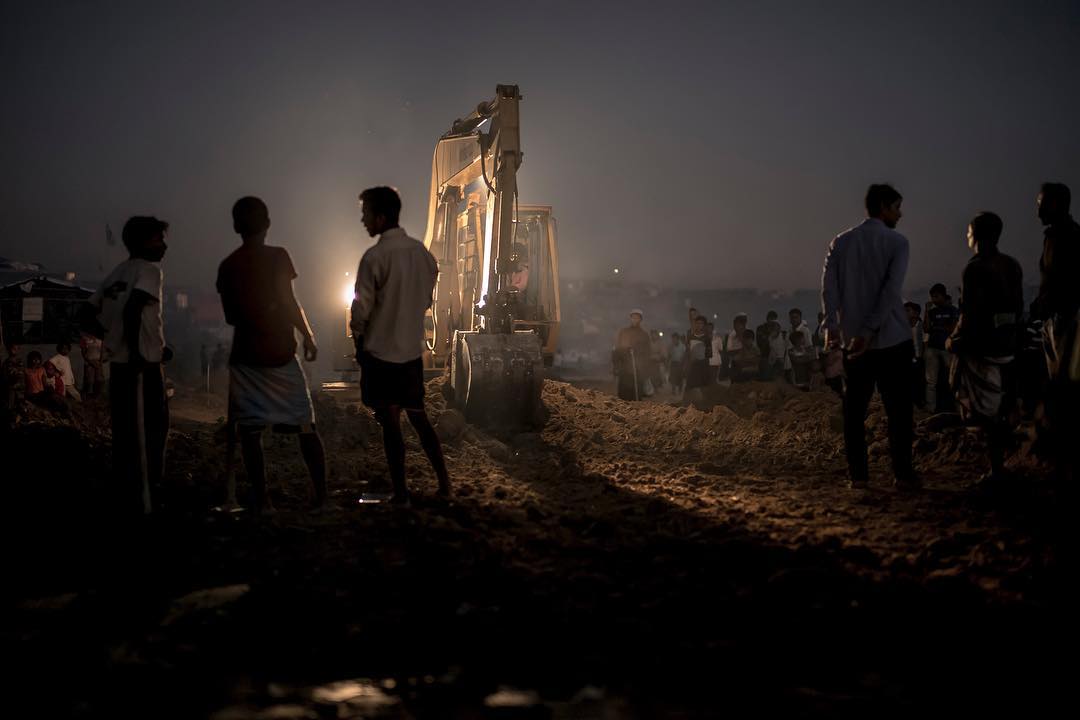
(532, 253)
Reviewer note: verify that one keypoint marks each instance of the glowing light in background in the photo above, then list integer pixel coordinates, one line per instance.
(348, 292)
(616, 271)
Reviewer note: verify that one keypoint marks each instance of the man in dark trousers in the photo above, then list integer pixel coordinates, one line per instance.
(394, 286)
(127, 308)
(1058, 305)
(861, 296)
(939, 320)
(267, 386)
(987, 337)
(632, 358)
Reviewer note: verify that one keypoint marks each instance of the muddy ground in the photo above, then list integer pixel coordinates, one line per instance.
(629, 561)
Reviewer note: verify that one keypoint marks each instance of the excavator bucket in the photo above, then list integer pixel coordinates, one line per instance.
(497, 378)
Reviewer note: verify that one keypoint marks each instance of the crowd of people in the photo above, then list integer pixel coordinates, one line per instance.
(988, 358)
(643, 362)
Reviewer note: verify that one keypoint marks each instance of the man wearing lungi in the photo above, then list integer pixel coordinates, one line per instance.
(987, 338)
(267, 386)
(394, 286)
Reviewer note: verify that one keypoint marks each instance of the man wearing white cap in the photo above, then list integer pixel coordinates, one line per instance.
(632, 358)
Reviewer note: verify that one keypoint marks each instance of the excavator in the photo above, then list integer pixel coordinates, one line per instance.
(494, 322)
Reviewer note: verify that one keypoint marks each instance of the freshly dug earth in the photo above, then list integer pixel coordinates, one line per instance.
(629, 560)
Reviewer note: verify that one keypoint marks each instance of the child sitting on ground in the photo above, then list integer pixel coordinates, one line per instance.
(746, 363)
(34, 375)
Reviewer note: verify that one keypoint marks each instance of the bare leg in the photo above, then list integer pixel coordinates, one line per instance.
(251, 448)
(230, 465)
(429, 440)
(394, 443)
(311, 448)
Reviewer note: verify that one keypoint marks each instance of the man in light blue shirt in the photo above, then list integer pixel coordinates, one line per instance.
(864, 315)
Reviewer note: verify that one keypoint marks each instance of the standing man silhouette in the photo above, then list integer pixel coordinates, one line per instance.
(267, 386)
(394, 285)
(864, 313)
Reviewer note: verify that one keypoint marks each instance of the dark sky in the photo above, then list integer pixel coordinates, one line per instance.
(709, 145)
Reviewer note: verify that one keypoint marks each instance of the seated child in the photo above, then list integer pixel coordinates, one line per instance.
(34, 375)
(746, 362)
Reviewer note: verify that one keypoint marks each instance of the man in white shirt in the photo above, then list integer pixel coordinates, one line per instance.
(128, 308)
(394, 285)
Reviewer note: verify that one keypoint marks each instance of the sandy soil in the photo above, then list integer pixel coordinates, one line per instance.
(630, 560)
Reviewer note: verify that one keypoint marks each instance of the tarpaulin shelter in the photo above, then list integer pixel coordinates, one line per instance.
(41, 310)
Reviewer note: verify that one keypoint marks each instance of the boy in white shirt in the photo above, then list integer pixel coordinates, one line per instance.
(128, 309)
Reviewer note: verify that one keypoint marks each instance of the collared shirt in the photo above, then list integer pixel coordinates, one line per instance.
(862, 282)
(393, 291)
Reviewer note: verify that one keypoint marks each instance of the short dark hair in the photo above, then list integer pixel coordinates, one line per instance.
(250, 216)
(61, 345)
(880, 196)
(939, 289)
(32, 355)
(792, 311)
(141, 229)
(383, 201)
(912, 306)
(986, 228)
(1058, 193)
(771, 315)
(701, 318)
(742, 317)
(748, 335)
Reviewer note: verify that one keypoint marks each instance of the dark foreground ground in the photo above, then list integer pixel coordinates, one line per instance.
(630, 561)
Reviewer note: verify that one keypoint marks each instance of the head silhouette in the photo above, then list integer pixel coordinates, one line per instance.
(1053, 202)
(984, 231)
(381, 209)
(144, 237)
(250, 217)
(883, 202)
